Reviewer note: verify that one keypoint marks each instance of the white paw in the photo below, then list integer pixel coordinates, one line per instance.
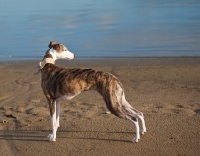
(51, 137)
(143, 131)
(135, 140)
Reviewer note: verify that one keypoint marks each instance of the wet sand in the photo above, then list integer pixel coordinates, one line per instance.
(166, 90)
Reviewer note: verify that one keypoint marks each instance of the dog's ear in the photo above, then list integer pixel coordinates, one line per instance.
(51, 44)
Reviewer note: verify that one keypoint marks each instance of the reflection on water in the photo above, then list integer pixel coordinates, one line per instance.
(106, 28)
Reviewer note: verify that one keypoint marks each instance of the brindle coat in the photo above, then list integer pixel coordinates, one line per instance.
(58, 82)
(61, 83)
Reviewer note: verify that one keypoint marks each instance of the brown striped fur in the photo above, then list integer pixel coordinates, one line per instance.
(61, 83)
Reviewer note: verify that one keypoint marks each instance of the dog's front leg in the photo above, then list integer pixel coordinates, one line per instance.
(52, 136)
(57, 114)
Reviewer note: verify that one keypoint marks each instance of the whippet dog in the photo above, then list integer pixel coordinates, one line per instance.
(63, 84)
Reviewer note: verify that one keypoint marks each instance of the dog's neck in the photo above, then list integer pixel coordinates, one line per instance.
(47, 59)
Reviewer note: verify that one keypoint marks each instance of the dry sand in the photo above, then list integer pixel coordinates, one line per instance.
(166, 90)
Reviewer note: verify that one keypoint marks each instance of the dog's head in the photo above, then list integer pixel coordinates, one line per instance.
(59, 51)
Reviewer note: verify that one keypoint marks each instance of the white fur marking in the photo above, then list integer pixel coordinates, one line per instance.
(135, 113)
(118, 93)
(62, 55)
(65, 97)
(57, 114)
(137, 137)
(53, 53)
(52, 136)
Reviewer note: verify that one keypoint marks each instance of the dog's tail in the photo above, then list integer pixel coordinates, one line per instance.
(111, 91)
(116, 103)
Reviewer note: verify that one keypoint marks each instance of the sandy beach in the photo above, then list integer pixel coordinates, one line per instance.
(166, 90)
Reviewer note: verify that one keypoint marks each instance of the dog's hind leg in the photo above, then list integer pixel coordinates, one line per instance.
(134, 121)
(141, 117)
(114, 101)
(134, 113)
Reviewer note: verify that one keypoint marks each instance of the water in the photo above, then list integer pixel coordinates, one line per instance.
(106, 28)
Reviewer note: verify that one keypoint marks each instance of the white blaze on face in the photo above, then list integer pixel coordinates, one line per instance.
(65, 54)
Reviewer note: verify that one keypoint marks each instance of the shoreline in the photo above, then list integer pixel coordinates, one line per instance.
(107, 58)
(132, 60)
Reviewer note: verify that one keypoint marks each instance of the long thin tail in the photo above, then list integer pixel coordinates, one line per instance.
(113, 99)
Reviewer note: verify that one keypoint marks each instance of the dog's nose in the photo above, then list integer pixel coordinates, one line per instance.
(74, 55)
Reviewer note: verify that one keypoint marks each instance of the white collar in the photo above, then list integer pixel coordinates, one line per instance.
(45, 61)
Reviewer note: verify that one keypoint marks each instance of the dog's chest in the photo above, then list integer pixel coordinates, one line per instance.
(65, 97)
